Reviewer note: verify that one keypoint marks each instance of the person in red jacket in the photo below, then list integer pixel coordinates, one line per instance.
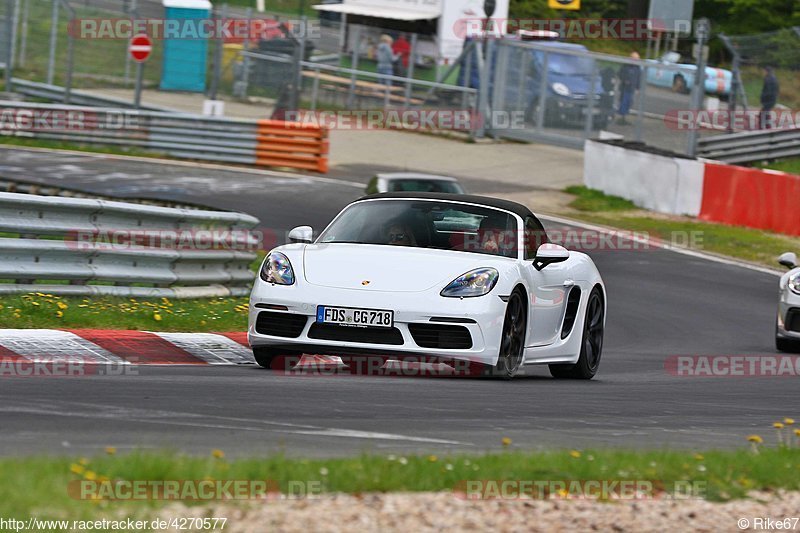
(401, 47)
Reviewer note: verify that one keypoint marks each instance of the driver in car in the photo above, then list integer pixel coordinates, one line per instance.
(400, 235)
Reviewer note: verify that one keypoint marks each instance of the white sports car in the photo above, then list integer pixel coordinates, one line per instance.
(787, 330)
(460, 279)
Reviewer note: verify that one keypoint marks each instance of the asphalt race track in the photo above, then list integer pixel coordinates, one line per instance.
(661, 304)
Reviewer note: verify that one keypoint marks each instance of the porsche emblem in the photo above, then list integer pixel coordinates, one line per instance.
(365, 282)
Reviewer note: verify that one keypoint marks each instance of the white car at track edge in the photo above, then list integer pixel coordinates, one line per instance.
(787, 329)
(454, 278)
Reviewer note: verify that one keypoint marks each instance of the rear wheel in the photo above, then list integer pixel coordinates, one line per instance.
(591, 345)
(512, 341)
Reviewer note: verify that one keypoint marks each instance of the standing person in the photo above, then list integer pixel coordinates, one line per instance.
(385, 58)
(629, 84)
(769, 97)
(402, 49)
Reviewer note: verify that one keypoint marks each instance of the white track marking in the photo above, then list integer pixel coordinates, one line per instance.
(50, 345)
(663, 246)
(211, 348)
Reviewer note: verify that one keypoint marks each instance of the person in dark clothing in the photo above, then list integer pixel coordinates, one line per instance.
(769, 97)
(628, 85)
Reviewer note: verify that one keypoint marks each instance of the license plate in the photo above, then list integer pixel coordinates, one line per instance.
(353, 316)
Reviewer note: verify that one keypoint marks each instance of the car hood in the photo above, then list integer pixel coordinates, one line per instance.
(387, 268)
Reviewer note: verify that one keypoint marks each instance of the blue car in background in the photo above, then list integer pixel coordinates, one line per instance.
(568, 85)
(717, 80)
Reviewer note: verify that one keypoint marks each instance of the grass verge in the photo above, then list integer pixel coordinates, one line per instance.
(749, 244)
(38, 486)
(40, 310)
(58, 145)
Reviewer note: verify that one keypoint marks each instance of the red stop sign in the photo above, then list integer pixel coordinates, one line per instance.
(140, 47)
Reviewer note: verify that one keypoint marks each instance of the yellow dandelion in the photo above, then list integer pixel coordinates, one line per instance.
(777, 425)
(432, 458)
(89, 475)
(76, 469)
(217, 454)
(574, 454)
(755, 438)
(59, 314)
(797, 432)
(788, 421)
(61, 305)
(699, 456)
(156, 317)
(506, 441)
(110, 450)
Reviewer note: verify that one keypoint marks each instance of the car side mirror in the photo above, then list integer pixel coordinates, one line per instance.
(789, 260)
(301, 234)
(547, 254)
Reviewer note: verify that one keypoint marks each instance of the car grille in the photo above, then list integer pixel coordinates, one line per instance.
(280, 324)
(793, 320)
(441, 336)
(354, 334)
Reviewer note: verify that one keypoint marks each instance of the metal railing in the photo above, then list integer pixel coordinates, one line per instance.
(179, 135)
(751, 146)
(56, 93)
(78, 246)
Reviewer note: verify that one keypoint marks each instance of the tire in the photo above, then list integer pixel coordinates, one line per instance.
(591, 342)
(786, 345)
(512, 340)
(679, 84)
(272, 359)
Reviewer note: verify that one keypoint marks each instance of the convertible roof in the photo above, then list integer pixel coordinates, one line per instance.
(497, 203)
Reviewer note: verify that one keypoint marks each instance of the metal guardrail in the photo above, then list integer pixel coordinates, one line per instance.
(182, 135)
(751, 146)
(56, 93)
(78, 246)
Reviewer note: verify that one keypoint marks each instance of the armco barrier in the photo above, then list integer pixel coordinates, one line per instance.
(751, 197)
(712, 191)
(248, 142)
(75, 249)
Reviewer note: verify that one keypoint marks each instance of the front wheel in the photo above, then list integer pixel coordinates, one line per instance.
(591, 344)
(273, 359)
(512, 341)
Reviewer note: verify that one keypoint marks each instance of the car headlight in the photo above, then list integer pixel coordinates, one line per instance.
(474, 283)
(560, 89)
(794, 283)
(277, 269)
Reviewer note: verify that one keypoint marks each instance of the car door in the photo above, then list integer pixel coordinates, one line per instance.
(548, 289)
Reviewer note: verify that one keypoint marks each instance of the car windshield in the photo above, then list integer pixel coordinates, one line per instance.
(424, 185)
(426, 224)
(570, 65)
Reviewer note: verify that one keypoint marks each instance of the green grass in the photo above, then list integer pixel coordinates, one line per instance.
(753, 245)
(41, 310)
(791, 165)
(38, 486)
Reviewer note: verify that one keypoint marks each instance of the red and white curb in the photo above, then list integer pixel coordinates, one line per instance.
(94, 346)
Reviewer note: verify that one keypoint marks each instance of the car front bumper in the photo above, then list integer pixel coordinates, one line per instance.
(482, 317)
(789, 315)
